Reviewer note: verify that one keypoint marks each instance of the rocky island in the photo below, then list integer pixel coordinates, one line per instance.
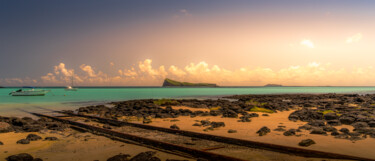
(273, 85)
(173, 83)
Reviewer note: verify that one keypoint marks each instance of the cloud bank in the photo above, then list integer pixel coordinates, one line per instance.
(144, 74)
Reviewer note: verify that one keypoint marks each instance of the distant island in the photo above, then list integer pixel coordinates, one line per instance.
(173, 83)
(273, 85)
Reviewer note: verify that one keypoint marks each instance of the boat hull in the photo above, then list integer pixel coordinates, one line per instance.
(30, 93)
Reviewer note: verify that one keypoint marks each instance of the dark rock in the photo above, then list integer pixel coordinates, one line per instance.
(317, 123)
(290, 132)
(334, 122)
(318, 131)
(51, 138)
(344, 130)
(263, 131)
(232, 131)
(119, 157)
(335, 133)
(265, 114)
(371, 123)
(1, 143)
(358, 125)
(145, 156)
(306, 142)
(174, 126)
(347, 120)
(217, 124)
(306, 127)
(329, 129)
(205, 123)
(330, 116)
(23, 141)
(33, 137)
(230, 113)
(20, 157)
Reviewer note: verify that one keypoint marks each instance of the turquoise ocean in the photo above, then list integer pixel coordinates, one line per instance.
(59, 99)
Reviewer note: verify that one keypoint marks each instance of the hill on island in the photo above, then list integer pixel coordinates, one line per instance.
(273, 85)
(173, 83)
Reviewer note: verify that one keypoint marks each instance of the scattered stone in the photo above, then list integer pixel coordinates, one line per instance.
(119, 157)
(33, 137)
(347, 120)
(371, 123)
(263, 131)
(1, 143)
(23, 141)
(330, 116)
(335, 133)
(334, 122)
(358, 125)
(318, 131)
(306, 142)
(174, 126)
(20, 157)
(265, 114)
(232, 131)
(290, 132)
(145, 156)
(217, 124)
(51, 138)
(344, 130)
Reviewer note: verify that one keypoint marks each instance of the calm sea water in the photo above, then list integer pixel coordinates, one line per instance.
(59, 99)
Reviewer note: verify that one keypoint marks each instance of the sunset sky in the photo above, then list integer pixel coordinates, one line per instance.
(232, 42)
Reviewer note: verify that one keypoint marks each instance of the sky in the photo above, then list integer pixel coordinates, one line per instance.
(231, 43)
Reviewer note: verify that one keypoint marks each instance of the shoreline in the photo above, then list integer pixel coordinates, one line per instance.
(290, 119)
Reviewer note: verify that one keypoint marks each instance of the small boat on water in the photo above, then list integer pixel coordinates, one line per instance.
(71, 88)
(29, 92)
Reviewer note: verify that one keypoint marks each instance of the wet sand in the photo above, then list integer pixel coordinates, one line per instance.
(72, 145)
(247, 130)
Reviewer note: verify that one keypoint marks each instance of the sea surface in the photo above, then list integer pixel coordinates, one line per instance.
(59, 99)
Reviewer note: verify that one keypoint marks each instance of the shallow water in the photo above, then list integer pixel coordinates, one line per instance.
(59, 99)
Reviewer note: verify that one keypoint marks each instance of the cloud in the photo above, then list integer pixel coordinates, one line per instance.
(307, 43)
(88, 69)
(182, 13)
(355, 38)
(144, 73)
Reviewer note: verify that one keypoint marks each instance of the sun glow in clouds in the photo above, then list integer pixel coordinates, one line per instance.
(307, 43)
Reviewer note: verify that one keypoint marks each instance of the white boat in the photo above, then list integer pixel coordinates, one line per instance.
(29, 92)
(71, 88)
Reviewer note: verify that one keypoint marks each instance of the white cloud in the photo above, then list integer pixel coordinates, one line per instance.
(307, 43)
(355, 38)
(88, 69)
(144, 73)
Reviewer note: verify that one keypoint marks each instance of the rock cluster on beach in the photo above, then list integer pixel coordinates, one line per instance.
(27, 124)
(321, 112)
